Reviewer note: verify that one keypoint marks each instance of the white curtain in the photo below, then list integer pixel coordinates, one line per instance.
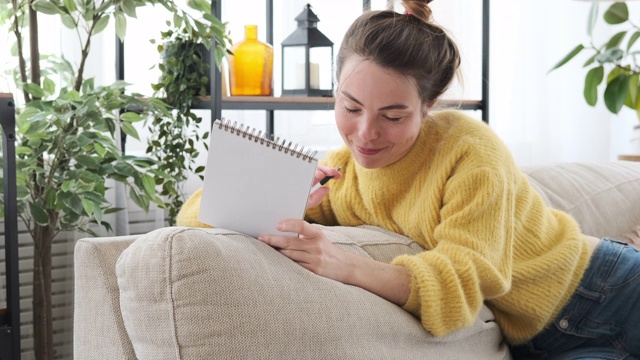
(543, 117)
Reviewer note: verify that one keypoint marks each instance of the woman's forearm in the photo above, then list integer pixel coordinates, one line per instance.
(391, 282)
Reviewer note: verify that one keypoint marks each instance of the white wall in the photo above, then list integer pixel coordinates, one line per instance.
(543, 117)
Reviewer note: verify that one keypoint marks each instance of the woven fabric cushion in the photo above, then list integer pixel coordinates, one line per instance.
(603, 198)
(214, 294)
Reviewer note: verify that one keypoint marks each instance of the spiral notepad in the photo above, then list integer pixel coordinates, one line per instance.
(253, 180)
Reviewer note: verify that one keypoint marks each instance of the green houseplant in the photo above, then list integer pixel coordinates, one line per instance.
(184, 50)
(66, 148)
(613, 62)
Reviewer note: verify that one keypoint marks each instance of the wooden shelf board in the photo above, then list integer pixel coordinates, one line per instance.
(629, 157)
(301, 103)
(6, 96)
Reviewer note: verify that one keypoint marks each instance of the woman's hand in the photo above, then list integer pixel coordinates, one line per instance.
(311, 249)
(321, 172)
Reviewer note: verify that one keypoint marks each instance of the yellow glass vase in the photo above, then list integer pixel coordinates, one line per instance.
(251, 66)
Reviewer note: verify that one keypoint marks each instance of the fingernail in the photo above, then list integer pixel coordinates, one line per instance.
(261, 238)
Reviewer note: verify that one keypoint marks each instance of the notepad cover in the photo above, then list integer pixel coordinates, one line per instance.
(249, 187)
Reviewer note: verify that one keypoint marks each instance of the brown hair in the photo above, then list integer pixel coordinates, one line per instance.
(409, 43)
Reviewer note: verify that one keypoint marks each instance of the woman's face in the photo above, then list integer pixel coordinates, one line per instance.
(378, 112)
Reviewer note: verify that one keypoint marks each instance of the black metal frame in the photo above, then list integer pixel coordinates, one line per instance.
(216, 105)
(10, 325)
(484, 103)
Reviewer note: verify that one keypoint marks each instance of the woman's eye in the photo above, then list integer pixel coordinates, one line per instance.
(350, 111)
(391, 118)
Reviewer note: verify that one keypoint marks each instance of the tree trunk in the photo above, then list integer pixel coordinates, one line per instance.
(42, 315)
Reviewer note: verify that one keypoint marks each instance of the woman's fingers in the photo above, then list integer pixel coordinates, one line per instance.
(323, 170)
(304, 229)
(316, 198)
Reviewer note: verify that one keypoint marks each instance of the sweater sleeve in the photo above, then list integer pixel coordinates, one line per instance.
(472, 259)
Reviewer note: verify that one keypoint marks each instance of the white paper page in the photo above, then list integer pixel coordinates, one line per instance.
(249, 187)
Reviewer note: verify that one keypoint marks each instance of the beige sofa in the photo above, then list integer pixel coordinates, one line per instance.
(181, 293)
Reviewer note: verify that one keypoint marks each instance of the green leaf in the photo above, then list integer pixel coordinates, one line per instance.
(68, 21)
(131, 117)
(39, 214)
(124, 169)
(73, 96)
(149, 185)
(74, 203)
(617, 13)
(129, 8)
(97, 213)
(632, 40)
(129, 130)
(593, 16)
(139, 200)
(99, 149)
(177, 21)
(615, 40)
(101, 24)
(70, 5)
(34, 89)
(200, 5)
(88, 206)
(568, 57)
(49, 86)
(67, 185)
(593, 79)
(616, 93)
(46, 7)
(87, 161)
(590, 60)
(121, 25)
(22, 150)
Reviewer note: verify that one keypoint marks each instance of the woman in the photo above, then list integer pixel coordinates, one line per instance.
(447, 182)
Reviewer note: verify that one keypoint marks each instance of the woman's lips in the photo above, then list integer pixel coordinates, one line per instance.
(368, 151)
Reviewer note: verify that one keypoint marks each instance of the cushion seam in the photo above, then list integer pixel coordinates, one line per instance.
(171, 293)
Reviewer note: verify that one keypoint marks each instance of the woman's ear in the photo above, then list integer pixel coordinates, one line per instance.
(426, 109)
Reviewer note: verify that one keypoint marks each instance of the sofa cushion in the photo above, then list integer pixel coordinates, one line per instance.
(190, 293)
(602, 197)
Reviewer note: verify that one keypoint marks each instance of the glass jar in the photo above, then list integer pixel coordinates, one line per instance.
(251, 66)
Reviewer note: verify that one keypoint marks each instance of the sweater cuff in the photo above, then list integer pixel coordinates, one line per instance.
(413, 303)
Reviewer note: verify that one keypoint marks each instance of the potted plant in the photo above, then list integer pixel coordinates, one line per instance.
(612, 62)
(66, 144)
(185, 53)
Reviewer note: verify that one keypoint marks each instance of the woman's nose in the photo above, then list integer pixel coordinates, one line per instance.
(368, 130)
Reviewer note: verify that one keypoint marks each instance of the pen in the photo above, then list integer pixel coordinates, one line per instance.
(322, 182)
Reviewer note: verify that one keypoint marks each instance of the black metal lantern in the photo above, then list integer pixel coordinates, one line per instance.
(307, 59)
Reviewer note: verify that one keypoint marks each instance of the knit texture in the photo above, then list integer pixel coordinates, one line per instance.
(188, 214)
(488, 234)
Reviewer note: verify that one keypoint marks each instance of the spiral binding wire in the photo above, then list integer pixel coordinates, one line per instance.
(266, 139)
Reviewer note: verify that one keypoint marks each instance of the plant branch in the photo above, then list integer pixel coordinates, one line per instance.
(22, 64)
(34, 44)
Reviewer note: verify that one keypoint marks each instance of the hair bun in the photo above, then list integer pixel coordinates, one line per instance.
(418, 8)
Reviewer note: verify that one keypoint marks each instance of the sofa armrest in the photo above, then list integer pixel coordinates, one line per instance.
(98, 328)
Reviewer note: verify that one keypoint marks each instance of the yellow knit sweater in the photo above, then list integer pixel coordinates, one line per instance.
(489, 237)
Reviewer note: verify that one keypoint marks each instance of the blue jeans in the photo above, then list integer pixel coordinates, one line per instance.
(602, 318)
